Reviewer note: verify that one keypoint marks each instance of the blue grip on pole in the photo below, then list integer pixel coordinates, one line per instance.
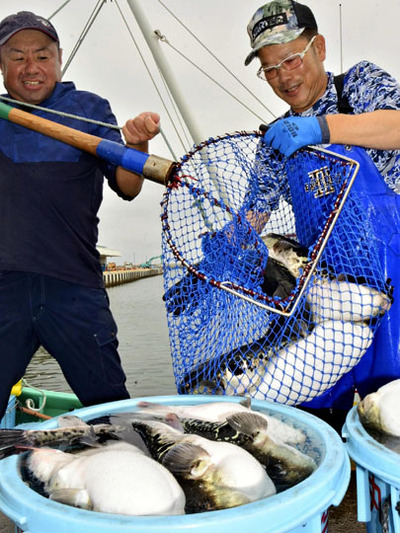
(120, 155)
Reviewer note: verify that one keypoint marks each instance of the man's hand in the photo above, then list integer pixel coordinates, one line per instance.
(289, 134)
(141, 129)
(137, 132)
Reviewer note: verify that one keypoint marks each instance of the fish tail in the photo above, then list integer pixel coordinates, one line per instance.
(10, 439)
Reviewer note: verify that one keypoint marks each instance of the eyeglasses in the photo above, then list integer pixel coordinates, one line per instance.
(290, 63)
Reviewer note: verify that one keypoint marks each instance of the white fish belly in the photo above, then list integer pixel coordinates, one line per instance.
(341, 300)
(306, 369)
(132, 484)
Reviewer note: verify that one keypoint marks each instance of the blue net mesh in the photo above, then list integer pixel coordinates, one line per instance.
(281, 314)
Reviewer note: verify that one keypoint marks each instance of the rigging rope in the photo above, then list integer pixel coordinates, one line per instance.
(61, 113)
(165, 40)
(153, 81)
(85, 30)
(220, 63)
(29, 402)
(58, 10)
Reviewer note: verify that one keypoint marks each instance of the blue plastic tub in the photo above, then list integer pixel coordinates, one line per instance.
(8, 420)
(300, 509)
(378, 478)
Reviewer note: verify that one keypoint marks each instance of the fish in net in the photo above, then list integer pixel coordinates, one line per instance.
(282, 313)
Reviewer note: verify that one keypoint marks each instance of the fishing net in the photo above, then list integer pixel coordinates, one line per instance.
(277, 314)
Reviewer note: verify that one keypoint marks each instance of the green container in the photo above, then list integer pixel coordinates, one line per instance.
(46, 402)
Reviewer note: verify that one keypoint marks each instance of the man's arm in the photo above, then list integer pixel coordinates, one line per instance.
(137, 133)
(378, 129)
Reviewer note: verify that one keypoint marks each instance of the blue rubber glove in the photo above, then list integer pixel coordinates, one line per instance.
(289, 134)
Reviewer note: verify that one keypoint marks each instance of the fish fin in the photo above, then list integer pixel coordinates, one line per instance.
(130, 436)
(67, 421)
(11, 439)
(248, 423)
(75, 497)
(91, 439)
(278, 280)
(87, 441)
(104, 419)
(246, 402)
(173, 420)
(187, 459)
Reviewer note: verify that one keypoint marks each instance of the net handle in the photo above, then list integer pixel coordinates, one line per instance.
(151, 167)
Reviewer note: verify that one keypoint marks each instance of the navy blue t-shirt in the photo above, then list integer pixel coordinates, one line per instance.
(50, 193)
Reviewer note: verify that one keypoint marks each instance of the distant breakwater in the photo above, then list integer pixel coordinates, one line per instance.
(118, 277)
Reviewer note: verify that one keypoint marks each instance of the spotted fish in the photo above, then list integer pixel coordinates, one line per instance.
(72, 431)
(285, 464)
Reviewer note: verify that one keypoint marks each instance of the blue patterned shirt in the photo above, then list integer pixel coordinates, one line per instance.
(367, 87)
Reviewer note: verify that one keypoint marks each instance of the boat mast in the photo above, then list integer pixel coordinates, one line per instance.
(153, 43)
(152, 40)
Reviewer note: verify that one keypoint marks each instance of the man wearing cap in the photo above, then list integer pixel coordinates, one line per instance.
(51, 283)
(364, 111)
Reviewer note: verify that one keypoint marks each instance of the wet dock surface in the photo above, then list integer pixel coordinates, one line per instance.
(342, 519)
(6, 526)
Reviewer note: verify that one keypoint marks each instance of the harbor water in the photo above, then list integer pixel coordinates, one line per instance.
(140, 314)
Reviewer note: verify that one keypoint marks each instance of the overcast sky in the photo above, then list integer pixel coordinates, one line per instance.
(109, 64)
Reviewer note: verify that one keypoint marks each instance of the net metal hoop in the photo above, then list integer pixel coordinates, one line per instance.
(284, 307)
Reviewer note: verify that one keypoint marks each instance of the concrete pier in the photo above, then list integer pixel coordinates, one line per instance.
(118, 277)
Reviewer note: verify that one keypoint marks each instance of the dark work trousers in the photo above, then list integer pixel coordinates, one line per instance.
(72, 322)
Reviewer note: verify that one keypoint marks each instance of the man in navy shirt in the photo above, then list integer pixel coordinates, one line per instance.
(284, 36)
(51, 284)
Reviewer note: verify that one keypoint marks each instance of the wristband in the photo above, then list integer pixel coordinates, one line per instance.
(325, 133)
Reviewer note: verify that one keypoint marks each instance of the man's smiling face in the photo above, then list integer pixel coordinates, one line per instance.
(31, 66)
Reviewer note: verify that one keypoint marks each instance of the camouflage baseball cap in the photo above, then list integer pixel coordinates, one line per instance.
(25, 20)
(278, 22)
